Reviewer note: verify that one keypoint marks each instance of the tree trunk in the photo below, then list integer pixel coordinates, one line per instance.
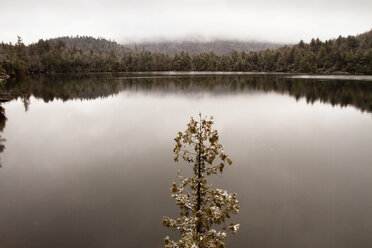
(198, 206)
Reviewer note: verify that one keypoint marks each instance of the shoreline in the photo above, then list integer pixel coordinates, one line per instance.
(318, 75)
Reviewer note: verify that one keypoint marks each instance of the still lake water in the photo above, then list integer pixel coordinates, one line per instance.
(88, 158)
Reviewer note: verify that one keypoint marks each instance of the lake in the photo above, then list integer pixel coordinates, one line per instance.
(88, 158)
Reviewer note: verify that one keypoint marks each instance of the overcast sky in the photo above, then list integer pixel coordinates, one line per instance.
(285, 21)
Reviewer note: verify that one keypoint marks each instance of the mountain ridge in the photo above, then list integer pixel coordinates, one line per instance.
(218, 46)
(170, 47)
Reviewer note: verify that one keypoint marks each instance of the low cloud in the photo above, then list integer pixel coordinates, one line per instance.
(285, 21)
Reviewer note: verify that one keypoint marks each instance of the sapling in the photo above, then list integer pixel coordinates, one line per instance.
(203, 208)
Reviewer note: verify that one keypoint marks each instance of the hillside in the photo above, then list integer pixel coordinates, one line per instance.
(101, 45)
(87, 43)
(220, 47)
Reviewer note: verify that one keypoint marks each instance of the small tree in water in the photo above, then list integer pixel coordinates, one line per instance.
(202, 207)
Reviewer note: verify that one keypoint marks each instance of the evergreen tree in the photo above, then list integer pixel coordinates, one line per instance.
(202, 207)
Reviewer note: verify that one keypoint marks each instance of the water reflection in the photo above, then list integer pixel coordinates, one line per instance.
(2, 126)
(91, 86)
(96, 173)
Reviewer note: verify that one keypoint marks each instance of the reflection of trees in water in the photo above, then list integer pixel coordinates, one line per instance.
(2, 126)
(91, 86)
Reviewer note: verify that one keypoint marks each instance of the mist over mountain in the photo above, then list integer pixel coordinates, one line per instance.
(220, 47)
(286, 21)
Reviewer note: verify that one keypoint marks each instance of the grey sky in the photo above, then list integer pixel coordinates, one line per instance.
(134, 20)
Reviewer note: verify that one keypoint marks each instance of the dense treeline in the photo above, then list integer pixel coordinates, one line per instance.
(352, 54)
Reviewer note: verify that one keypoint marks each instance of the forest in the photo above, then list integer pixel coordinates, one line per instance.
(344, 55)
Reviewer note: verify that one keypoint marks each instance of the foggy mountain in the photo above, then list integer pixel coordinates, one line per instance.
(196, 47)
(101, 45)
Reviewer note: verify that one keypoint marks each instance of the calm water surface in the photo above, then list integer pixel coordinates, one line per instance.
(88, 158)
